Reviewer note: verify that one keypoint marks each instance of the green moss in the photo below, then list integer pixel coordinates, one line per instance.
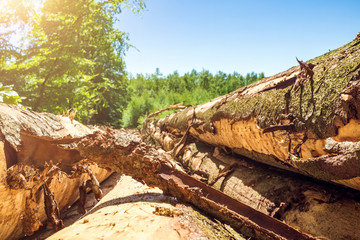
(314, 104)
(180, 119)
(212, 228)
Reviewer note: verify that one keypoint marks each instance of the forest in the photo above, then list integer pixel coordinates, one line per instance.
(150, 93)
(69, 57)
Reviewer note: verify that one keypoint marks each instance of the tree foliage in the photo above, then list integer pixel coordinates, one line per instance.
(8, 95)
(71, 57)
(152, 92)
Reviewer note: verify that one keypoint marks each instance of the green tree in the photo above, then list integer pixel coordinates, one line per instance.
(73, 59)
(205, 79)
(8, 95)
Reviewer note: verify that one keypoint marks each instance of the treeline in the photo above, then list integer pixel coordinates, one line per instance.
(151, 92)
(143, 95)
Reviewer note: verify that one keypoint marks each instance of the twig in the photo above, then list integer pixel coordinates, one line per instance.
(176, 106)
(227, 170)
(180, 145)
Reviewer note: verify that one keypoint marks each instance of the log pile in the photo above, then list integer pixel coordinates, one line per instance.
(305, 120)
(278, 159)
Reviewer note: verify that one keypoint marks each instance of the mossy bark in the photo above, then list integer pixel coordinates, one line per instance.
(287, 126)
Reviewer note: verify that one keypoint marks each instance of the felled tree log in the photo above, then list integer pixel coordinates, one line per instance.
(133, 210)
(315, 207)
(306, 119)
(36, 158)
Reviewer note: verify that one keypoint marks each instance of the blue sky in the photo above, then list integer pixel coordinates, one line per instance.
(242, 36)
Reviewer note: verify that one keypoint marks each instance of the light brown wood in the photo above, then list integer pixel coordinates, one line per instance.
(26, 146)
(133, 210)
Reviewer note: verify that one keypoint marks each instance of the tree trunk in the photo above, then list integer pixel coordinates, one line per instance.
(306, 119)
(315, 207)
(133, 210)
(36, 156)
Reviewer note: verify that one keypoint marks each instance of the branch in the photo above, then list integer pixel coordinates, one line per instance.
(176, 106)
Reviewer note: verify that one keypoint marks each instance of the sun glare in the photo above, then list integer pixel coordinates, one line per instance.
(13, 10)
(14, 16)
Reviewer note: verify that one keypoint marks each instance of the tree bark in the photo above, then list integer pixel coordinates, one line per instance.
(315, 207)
(36, 179)
(305, 120)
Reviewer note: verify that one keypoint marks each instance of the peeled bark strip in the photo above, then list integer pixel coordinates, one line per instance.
(37, 149)
(306, 119)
